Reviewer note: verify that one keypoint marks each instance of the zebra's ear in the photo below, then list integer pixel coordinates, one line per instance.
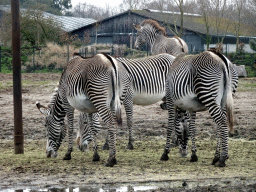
(41, 108)
(137, 27)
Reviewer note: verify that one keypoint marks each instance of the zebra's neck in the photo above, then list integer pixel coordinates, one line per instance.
(57, 109)
(158, 39)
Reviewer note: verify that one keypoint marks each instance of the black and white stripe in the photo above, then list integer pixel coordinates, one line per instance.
(200, 82)
(90, 85)
(148, 77)
(152, 33)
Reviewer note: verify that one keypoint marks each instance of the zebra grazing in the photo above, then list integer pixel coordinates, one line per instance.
(152, 33)
(182, 117)
(196, 83)
(148, 76)
(90, 85)
(89, 126)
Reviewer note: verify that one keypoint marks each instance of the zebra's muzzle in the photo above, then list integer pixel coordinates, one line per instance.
(183, 152)
(84, 146)
(51, 153)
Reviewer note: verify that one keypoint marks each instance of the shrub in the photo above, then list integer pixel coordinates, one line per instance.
(52, 57)
(252, 44)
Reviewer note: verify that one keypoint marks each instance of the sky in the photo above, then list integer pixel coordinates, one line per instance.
(98, 3)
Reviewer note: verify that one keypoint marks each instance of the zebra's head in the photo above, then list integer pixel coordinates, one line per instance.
(83, 137)
(85, 131)
(140, 38)
(181, 128)
(56, 130)
(147, 32)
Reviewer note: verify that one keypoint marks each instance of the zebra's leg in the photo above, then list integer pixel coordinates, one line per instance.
(128, 105)
(112, 152)
(220, 119)
(70, 115)
(107, 114)
(171, 119)
(217, 153)
(192, 132)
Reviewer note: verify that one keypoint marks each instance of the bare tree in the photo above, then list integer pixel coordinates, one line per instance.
(206, 10)
(219, 11)
(250, 13)
(237, 17)
(85, 10)
(131, 4)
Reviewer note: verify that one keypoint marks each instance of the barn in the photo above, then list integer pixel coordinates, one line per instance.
(118, 29)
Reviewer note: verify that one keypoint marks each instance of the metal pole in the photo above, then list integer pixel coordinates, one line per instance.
(17, 95)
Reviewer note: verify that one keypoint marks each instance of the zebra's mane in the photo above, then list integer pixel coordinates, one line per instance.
(217, 52)
(155, 24)
(54, 96)
(176, 37)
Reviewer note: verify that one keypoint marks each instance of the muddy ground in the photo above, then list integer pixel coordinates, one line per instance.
(150, 123)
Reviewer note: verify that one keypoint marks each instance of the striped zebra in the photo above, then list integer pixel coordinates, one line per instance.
(89, 126)
(152, 33)
(148, 77)
(89, 85)
(182, 118)
(196, 83)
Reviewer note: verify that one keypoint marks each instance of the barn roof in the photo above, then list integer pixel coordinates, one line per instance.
(191, 22)
(68, 23)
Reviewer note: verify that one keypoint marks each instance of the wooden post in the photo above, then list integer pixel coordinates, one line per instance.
(17, 95)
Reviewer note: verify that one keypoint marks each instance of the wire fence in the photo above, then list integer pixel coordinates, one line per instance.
(53, 58)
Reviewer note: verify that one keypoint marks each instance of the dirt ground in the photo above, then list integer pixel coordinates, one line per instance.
(148, 120)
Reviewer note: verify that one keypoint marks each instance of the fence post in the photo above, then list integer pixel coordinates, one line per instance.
(17, 93)
(0, 59)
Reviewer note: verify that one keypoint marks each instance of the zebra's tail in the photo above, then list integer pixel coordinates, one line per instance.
(117, 102)
(116, 83)
(229, 104)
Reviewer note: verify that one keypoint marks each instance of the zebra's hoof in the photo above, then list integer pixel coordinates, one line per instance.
(111, 162)
(215, 160)
(129, 146)
(96, 157)
(194, 158)
(164, 157)
(67, 156)
(221, 163)
(105, 146)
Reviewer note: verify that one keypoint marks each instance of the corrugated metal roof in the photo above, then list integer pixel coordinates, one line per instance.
(68, 24)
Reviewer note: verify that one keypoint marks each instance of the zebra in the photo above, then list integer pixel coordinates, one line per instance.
(196, 83)
(89, 85)
(182, 117)
(87, 126)
(152, 33)
(148, 87)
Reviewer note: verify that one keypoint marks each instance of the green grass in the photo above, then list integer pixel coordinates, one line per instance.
(7, 85)
(141, 164)
(246, 84)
